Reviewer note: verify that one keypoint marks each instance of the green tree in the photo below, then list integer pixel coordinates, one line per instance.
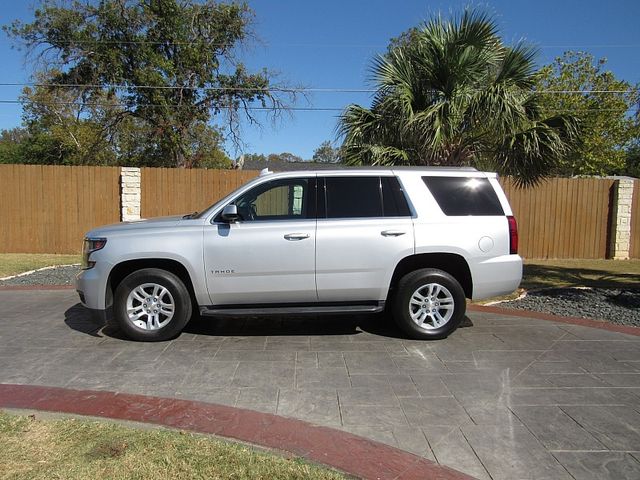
(578, 84)
(60, 129)
(258, 158)
(167, 63)
(284, 157)
(11, 141)
(632, 162)
(451, 93)
(206, 145)
(63, 129)
(325, 153)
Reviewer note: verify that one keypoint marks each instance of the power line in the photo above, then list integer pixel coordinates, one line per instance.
(122, 105)
(300, 45)
(177, 87)
(630, 45)
(585, 91)
(266, 89)
(300, 109)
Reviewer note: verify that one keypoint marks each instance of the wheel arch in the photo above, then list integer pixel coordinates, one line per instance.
(121, 270)
(452, 263)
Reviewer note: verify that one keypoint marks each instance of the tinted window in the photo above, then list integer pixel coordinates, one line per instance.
(353, 197)
(458, 196)
(286, 199)
(393, 200)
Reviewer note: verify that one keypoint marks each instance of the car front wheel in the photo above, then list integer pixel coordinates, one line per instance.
(151, 305)
(430, 304)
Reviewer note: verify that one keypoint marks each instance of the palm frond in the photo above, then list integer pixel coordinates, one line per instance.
(455, 95)
(517, 67)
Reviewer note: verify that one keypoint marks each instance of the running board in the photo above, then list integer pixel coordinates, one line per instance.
(264, 310)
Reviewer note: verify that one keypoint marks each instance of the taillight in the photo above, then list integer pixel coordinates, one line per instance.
(513, 235)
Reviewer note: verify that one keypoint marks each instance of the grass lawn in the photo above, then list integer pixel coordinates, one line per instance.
(80, 449)
(581, 273)
(575, 273)
(14, 263)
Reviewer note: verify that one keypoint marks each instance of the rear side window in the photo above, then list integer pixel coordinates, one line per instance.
(393, 200)
(353, 197)
(364, 197)
(459, 196)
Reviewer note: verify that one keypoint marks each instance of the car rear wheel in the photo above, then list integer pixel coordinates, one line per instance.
(429, 304)
(152, 305)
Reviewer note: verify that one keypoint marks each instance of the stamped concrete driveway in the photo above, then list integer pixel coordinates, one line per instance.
(502, 398)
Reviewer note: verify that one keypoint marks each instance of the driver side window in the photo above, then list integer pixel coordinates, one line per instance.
(285, 199)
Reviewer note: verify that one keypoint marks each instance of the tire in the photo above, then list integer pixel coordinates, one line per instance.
(159, 303)
(437, 295)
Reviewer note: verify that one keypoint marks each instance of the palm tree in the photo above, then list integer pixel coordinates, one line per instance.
(451, 93)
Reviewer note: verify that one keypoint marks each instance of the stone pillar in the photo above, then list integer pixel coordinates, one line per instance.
(130, 193)
(621, 219)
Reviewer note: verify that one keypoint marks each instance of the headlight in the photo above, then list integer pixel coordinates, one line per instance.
(89, 246)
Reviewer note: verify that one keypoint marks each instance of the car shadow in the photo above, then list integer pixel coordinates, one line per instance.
(80, 319)
(329, 325)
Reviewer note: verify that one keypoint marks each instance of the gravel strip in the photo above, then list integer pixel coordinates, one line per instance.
(65, 275)
(621, 306)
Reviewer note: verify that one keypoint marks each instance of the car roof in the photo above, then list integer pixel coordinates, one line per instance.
(375, 170)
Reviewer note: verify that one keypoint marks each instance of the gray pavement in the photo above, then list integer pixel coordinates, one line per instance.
(502, 398)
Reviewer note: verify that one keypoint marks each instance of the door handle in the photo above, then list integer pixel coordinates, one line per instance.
(392, 233)
(296, 236)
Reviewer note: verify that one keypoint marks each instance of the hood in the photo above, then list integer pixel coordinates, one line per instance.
(158, 222)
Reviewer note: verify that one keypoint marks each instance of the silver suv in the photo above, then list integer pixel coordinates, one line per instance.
(416, 242)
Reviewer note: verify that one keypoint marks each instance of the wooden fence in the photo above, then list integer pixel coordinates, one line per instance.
(48, 209)
(635, 221)
(171, 191)
(562, 217)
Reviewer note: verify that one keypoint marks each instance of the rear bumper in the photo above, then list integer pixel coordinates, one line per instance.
(496, 276)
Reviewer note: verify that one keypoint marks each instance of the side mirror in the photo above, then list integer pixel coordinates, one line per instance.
(230, 213)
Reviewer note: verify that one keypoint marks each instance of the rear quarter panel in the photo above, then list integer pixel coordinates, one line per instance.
(483, 241)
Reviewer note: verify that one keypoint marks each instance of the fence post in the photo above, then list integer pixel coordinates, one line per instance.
(130, 193)
(621, 219)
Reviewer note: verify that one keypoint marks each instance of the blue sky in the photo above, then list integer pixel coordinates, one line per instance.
(329, 44)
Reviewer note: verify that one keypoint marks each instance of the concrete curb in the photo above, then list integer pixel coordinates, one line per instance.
(343, 451)
(37, 287)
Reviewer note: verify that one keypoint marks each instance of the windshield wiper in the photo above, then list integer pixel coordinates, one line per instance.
(189, 215)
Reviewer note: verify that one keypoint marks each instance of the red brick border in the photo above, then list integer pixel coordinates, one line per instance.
(36, 287)
(346, 452)
(584, 322)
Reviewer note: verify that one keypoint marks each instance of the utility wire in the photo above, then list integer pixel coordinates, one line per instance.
(297, 45)
(177, 87)
(301, 109)
(115, 105)
(272, 89)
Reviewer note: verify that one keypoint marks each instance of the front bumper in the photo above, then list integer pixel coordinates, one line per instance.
(91, 286)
